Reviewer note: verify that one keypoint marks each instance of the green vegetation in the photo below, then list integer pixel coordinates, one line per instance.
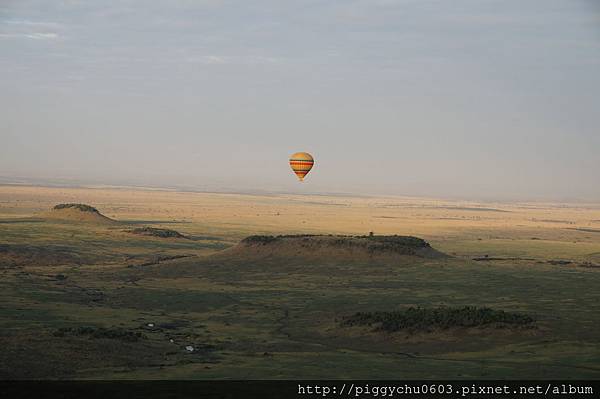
(75, 297)
(395, 243)
(397, 240)
(261, 240)
(389, 241)
(371, 241)
(156, 232)
(81, 207)
(100, 332)
(424, 319)
(370, 244)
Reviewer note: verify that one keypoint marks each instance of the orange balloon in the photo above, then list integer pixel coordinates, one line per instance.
(301, 163)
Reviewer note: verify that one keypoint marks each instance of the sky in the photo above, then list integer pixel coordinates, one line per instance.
(479, 99)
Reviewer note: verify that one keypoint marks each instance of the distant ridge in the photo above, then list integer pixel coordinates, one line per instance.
(333, 247)
(77, 213)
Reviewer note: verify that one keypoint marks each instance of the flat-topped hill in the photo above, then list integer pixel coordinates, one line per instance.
(77, 213)
(334, 247)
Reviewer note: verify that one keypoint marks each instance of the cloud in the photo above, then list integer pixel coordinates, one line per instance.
(26, 29)
(232, 60)
(34, 35)
(38, 24)
(213, 59)
(42, 36)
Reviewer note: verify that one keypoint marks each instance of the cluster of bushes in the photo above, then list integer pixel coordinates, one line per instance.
(81, 207)
(156, 232)
(423, 319)
(302, 235)
(404, 245)
(381, 241)
(397, 240)
(260, 239)
(401, 244)
(101, 332)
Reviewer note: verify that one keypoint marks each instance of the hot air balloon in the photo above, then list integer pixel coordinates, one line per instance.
(301, 163)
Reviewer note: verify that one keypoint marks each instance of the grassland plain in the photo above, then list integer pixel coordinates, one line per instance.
(73, 294)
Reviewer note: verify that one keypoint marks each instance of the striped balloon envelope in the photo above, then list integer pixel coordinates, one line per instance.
(301, 163)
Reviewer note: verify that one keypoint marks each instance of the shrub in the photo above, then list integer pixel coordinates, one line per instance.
(101, 332)
(81, 207)
(263, 240)
(156, 232)
(422, 319)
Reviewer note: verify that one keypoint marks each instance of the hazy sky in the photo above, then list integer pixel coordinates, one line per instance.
(470, 98)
